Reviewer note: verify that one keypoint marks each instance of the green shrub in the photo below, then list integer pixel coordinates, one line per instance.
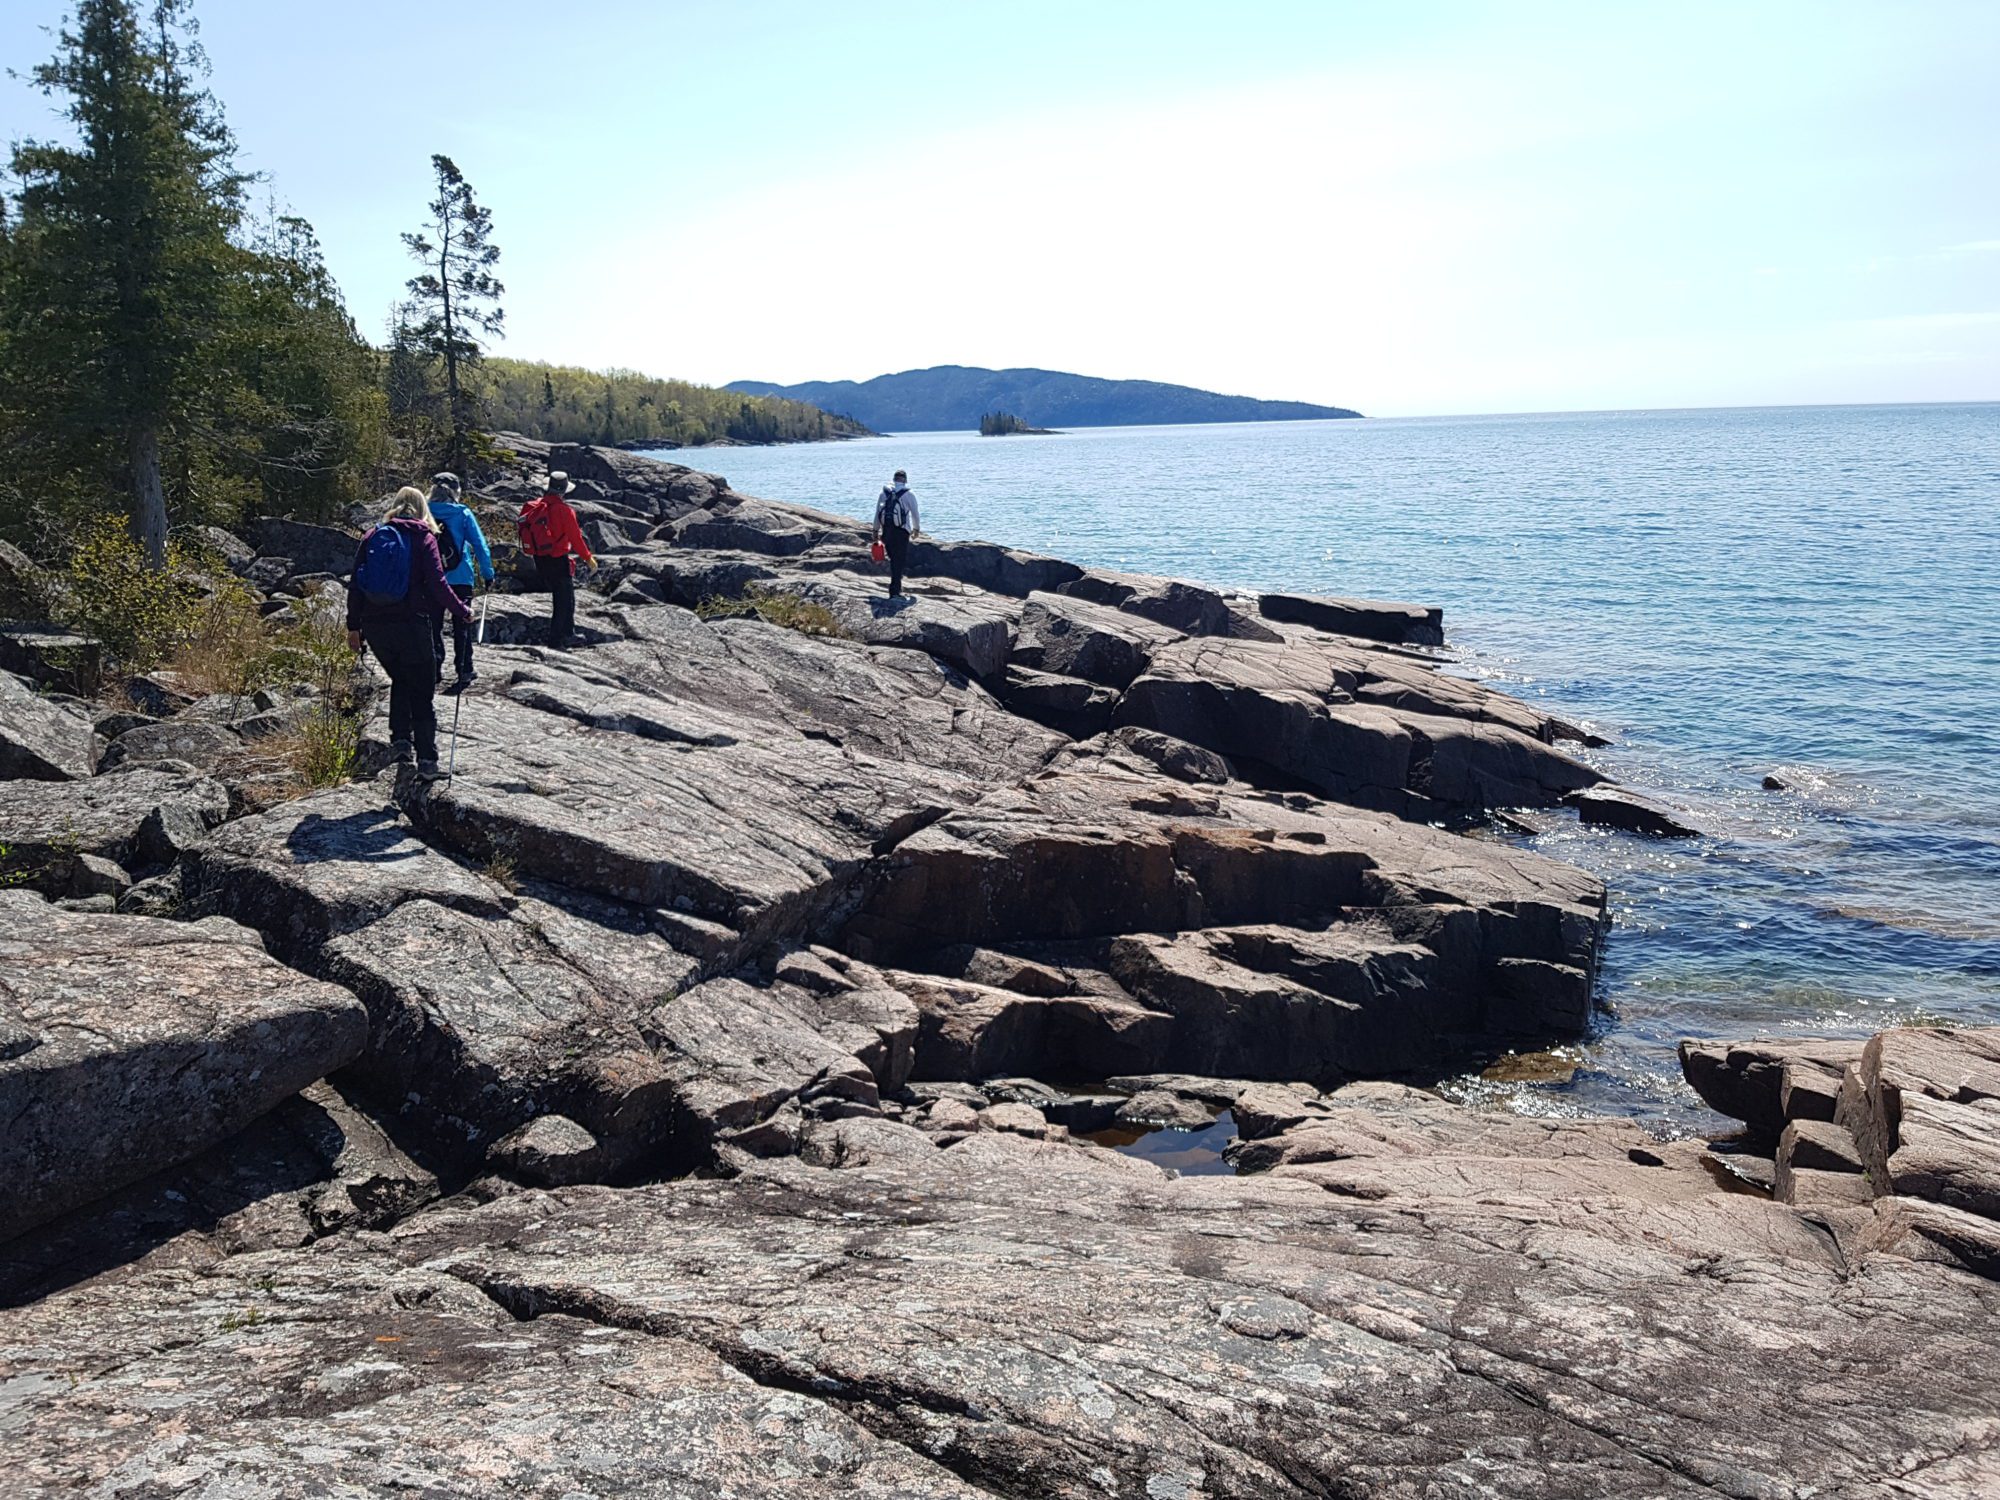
(142, 615)
(788, 610)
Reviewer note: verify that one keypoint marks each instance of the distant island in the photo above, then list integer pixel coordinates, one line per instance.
(955, 397)
(1006, 424)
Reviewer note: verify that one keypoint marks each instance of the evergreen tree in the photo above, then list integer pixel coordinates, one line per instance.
(548, 393)
(120, 271)
(456, 298)
(307, 406)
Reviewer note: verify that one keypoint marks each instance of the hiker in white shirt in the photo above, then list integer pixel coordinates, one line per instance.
(896, 521)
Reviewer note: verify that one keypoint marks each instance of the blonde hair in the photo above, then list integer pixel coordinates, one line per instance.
(412, 504)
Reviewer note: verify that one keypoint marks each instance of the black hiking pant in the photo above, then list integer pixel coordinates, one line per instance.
(404, 649)
(896, 542)
(461, 636)
(554, 575)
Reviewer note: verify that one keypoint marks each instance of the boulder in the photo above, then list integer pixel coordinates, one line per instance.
(1177, 758)
(1947, 1152)
(41, 740)
(197, 742)
(63, 661)
(1074, 638)
(1418, 748)
(235, 553)
(1610, 807)
(139, 818)
(1185, 607)
(317, 1164)
(1745, 1080)
(968, 1031)
(1159, 1110)
(321, 866)
(1068, 705)
(1370, 619)
(25, 590)
(153, 1041)
(743, 1061)
(306, 548)
(735, 523)
(985, 565)
(971, 630)
(476, 1027)
(550, 1151)
(1812, 1148)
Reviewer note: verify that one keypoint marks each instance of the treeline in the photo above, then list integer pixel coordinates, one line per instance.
(173, 346)
(162, 341)
(562, 404)
(1002, 424)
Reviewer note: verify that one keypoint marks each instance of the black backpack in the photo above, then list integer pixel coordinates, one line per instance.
(448, 548)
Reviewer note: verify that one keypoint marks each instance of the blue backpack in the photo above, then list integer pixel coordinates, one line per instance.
(383, 574)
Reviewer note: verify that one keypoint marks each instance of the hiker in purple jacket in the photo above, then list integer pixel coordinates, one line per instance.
(396, 587)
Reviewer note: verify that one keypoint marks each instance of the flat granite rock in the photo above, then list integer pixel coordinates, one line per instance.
(354, 1376)
(41, 740)
(1045, 1318)
(323, 865)
(152, 1041)
(1614, 807)
(476, 1027)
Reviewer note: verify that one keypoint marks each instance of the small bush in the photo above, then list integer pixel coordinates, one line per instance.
(228, 648)
(788, 610)
(142, 615)
(321, 749)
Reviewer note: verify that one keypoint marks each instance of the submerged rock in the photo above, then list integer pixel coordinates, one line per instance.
(1610, 807)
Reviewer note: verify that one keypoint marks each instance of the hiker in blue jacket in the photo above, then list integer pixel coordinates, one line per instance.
(397, 585)
(458, 530)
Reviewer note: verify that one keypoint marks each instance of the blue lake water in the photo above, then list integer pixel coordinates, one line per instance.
(1810, 592)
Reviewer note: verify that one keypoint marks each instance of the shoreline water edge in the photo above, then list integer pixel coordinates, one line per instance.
(714, 1085)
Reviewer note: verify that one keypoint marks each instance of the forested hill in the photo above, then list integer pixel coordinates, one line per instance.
(562, 404)
(951, 397)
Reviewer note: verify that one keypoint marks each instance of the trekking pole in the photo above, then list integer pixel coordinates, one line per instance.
(484, 599)
(451, 765)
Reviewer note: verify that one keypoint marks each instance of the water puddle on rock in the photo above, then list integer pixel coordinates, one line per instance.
(1192, 1153)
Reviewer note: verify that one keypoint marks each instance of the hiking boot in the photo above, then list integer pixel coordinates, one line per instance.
(402, 752)
(429, 770)
(457, 685)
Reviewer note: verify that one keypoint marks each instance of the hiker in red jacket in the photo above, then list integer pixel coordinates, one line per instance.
(397, 585)
(549, 534)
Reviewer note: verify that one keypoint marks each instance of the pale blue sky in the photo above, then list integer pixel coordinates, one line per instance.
(1404, 208)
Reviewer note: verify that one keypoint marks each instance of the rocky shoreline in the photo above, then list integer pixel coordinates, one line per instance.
(690, 1097)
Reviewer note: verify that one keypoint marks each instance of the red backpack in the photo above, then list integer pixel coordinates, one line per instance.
(539, 536)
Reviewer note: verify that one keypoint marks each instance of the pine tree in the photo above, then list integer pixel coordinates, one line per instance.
(456, 297)
(548, 393)
(120, 270)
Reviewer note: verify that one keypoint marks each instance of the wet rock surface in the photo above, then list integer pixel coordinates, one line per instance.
(711, 1058)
